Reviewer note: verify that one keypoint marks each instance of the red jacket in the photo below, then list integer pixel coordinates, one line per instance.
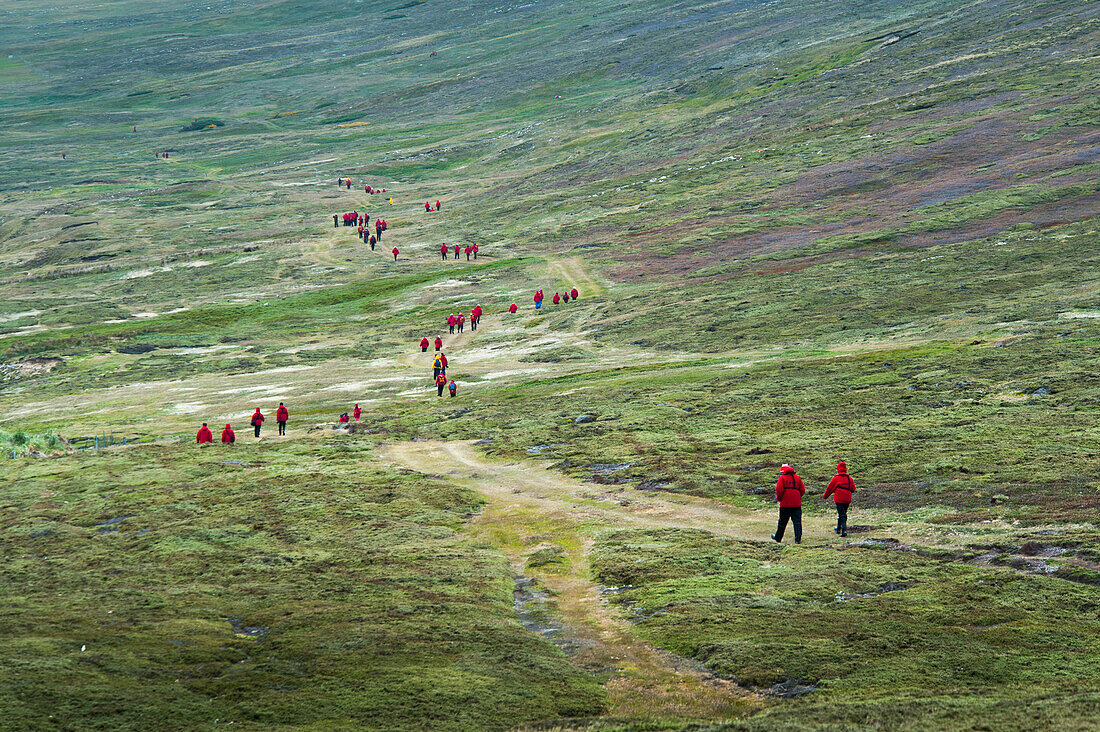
(257, 418)
(204, 435)
(469, 250)
(424, 343)
(476, 312)
(438, 342)
(228, 435)
(841, 487)
(443, 360)
(461, 319)
(573, 293)
(451, 320)
(557, 298)
(281, 414)
(513, 308)
(441, 380)
(357, 411)
(395, 251)
(475, 248)
(538, 297)
(456, 248)
(443, 249)
(789, 489)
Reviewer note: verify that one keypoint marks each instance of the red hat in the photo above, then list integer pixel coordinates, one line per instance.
(842, 467)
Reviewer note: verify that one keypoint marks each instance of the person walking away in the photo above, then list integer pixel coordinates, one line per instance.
(440, 382)
(565, 297)
(427, 207)
(451, 321)
(373, 241)
(438, 205)
(788, 492)
(356, 412)
(228, 435)
(453, 388)
(395, 254)
(841, 488)
(336, 221)
(424, 345)
(574, 294)
(438, 343)
(361, 230)
(348, 181)
(469, 251)
(475, 251)
(205, 435)
(257, 421)
(443, 358)
(461, 322)
(513, 308)
(456, 251)
(281, 417)
(437, 366)
(443, 251)
(557, 298)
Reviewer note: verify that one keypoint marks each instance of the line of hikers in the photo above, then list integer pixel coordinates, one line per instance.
(428, 206)
(789, 490)
(558, 297)
(470, 249)
(282, 415)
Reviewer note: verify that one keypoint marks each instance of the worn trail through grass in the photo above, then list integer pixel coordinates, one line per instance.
(532, 507)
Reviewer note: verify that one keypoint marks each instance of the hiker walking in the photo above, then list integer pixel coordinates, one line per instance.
(557, 298)
(453, 388)
(438, 205)
(513, 308)
(440, 382)
(451, 322)
(443, 252)
(469, 250)
(461, 322)
(228, 435)
(257, 421)
(438, 343)
(788, 492)
(475, 251)
(424, 345)
(456, 251)
(574, 294)
(281, 416)
(356, 412)
(437, 366)
(336, 221)
(841, 487)
(395, 254)
(205, 435)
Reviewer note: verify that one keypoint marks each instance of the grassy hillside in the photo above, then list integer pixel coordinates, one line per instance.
(802, 232)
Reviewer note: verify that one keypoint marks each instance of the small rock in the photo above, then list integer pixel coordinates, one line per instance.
(585, 419)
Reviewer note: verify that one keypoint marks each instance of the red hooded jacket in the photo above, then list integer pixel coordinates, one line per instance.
(424, 343)
(443, 249)
(456, 248)
(228, 435)
(573, 293)
(513, 308)
(438, 342)
(357, 411)
(443, 360)
(557, 298)
(257, 418)
(789, 489)
(204, 435)
(281, 414)
(841, 487)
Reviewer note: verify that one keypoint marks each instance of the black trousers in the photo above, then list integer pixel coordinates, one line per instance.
(440, 389)
(452, 329)
(842, 517)
(444, 256)
(794, 515)
(256, 427)
(424, 349)
(456, 255)
(435, 373)
(282, 428)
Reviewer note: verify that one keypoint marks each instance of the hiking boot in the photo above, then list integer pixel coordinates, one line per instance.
(844, 533)
(836, 530)
(774, 539)
(797, 541)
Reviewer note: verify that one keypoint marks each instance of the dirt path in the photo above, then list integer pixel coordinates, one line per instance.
(532, 507)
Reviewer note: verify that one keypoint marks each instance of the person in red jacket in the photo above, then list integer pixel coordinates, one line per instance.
(841, 488)
(565, 297)
(428, 206)
(373, 241)
(438, 343)
(573, 293)
(281, 416)
(344, 418)
(437, 205)
(538, 299)
(461, 322)
(475, 251)
(453, 388)
(443, 360)
(361, 230)
(204, 435)
(788, 492)
(357, 411)
(513, 308)
(395, 252)
(452, 321)
(469, 250)
(456, 251)
(257, 421)
(228, 435)
(440, 382)
(424, 345)
(557, 298)
(443, 252)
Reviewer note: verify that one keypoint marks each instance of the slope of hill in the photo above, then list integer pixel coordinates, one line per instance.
(802, 232)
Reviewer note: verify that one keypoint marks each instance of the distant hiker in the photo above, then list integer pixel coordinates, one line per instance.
(424, 345)
(281, 416)
(438, 343)
(475, 251)
(428, 206)
(452, 388)
(438, 205)
(443, 251)
(344, 418)
(257, 421)
(513, 308)
(469, 251)
(339, 182)
(204, 435)
(336, 221)
(456, 251)
(574, 294)
(557, 299)
(437, 366)
(841, 487)
(395, 254)
(461, 322)
(357, 411)
(361, 229)
(452, 321)
(368, 189)
(788, 492)
(373, 241)
(348, 181)
(443, 358)
(565, 298)
(538, 299)
(440, 382)
(228, 435)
